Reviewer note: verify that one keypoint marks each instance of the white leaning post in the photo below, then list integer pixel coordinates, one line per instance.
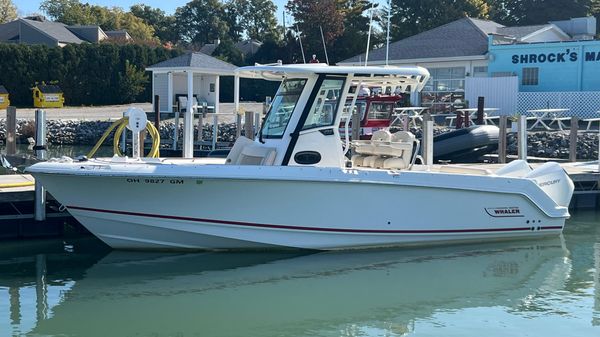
(522, 137)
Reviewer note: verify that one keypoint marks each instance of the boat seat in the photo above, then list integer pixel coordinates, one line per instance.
(236, 150)
(395, 154)
(257, 155)
(247, 152)
(365, 149)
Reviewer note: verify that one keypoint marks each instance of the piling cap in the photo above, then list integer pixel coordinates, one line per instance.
(3, 90)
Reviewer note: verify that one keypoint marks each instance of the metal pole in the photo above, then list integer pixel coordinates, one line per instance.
(573, 139)
(188, 119)
(11, 130)
(238, 125)
(502, 139)
(40, 153)
(387, 38)
(522, 137)
(427, 139)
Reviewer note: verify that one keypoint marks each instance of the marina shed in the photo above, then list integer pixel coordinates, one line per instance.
(4, 101)
(48, 96)
(187, 83)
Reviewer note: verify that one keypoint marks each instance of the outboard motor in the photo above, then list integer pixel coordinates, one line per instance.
(553, 180)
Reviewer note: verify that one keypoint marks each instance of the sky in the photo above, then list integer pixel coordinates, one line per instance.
(26, 7)
(169, 6)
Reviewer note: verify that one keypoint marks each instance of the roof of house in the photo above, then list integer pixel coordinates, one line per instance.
(3, 90)
(463, 37)
(248, 47)
(118, 34)
(198, 61)
(208, 48)
(49, 88)
(55, 30)
(520, 31)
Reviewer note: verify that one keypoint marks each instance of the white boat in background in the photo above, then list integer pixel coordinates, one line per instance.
(294, 186)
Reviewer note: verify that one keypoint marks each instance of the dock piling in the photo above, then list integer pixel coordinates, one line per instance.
(40, 153)
(427, 139)
(248, 125)
(522, 137)
(11, 130)
(502, 139)
(573, 139)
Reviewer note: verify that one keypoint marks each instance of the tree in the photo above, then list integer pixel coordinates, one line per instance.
(164, 25)
(201, 21)
(312, 16)
(8, 11)
(411, 17)
(529, 12)
(132, 82)
(353, 41)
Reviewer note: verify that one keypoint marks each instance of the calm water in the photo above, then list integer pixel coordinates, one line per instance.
(528, 288)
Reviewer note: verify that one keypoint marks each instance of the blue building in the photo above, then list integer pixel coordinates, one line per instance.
(548, 66)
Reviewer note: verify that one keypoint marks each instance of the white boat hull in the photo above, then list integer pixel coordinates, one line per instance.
(239, 213)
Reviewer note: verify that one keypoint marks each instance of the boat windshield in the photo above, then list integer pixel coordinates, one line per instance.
(282, 108)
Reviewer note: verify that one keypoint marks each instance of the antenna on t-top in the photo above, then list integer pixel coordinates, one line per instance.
(369, 36)
(300, 40)
(387, 39)
(324, 46)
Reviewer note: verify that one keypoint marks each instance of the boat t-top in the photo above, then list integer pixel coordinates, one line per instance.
(298, 184)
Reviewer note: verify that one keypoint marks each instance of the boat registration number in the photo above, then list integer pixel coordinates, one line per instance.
(155, 181)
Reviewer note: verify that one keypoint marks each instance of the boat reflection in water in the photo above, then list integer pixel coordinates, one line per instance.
(290, 293)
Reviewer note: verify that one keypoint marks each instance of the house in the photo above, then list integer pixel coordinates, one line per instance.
(246, 47)
(38, 30)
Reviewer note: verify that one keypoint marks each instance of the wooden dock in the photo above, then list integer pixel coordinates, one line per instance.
(17, 211)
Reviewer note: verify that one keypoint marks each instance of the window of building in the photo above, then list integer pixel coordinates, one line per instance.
(437, 93)
(480, 71)
(530, 76)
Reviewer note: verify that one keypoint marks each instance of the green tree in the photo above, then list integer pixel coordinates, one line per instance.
(132, 82)
(164, 25)
(201, 21)
(312, 16)
(353, 41)
(411, 17)
(529, 12)
(8, 11)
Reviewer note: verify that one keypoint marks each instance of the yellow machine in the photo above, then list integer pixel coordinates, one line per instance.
(4, 101)
(48, 96)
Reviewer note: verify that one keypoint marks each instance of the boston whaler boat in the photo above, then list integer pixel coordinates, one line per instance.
(294, 186)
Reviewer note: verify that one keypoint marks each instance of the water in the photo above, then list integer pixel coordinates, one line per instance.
(78, 287)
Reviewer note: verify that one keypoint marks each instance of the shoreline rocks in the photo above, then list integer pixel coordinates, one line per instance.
(71, 132)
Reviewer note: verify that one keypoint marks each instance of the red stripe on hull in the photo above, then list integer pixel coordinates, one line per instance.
(316, 229)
